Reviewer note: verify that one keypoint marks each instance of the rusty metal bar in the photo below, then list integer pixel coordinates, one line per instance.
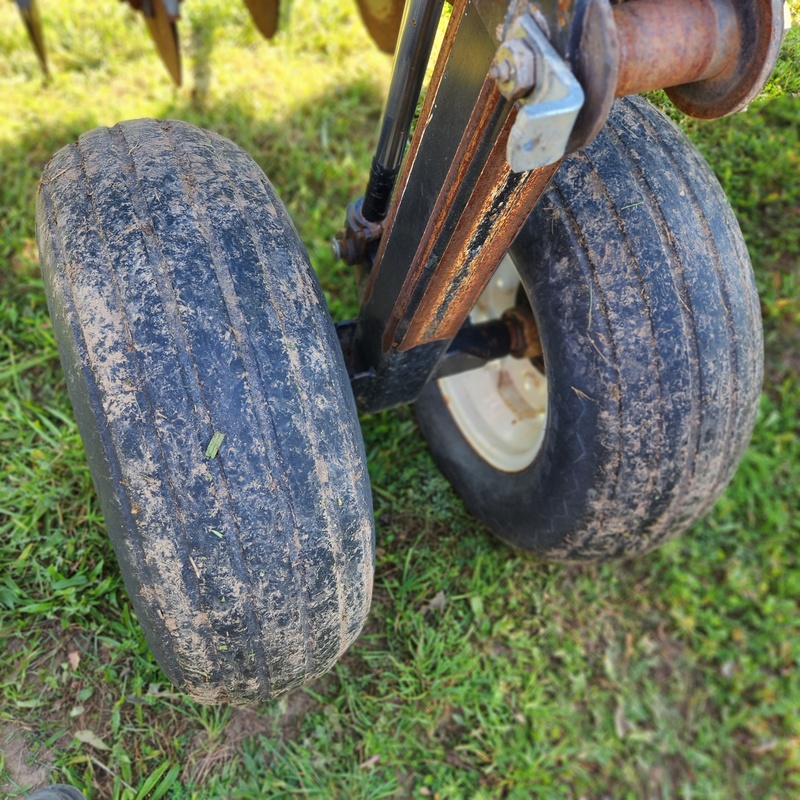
(666, 43)
(495, 212)
(461, 119)
(474, 151)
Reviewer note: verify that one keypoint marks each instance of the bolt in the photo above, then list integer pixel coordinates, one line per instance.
(503, 71)
(514, 68)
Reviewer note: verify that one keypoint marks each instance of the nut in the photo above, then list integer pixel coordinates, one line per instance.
(503, 71)
(514, 68)
(525, 341)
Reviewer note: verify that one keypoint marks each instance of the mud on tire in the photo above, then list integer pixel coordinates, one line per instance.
(643, 293)
(214, 405)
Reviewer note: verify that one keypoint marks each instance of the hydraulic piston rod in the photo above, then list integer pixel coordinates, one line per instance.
(418, 29)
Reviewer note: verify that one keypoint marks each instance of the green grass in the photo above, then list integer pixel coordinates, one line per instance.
(677, 676)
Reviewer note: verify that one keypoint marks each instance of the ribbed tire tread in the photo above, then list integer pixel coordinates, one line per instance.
(185, 307)
(644, 296)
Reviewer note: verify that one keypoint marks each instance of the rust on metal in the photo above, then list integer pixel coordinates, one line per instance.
(425, 114)
(478, 128)
(669, 42)
(496, 210)
(351, 243)
(760, 28)
(523, 332)
(712, 56)
(480, 201)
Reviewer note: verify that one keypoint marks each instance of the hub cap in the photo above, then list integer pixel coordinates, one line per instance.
(500, 409)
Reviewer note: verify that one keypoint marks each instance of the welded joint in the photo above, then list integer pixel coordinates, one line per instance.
(548, 108)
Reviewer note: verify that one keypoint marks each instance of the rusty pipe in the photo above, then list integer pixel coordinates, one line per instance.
(665, 43)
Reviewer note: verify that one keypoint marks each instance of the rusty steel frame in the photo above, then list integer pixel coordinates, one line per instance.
(457, 205)
(456, 166)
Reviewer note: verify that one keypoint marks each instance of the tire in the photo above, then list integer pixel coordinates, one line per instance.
(643, 293)
(186, 310)
(57, 792)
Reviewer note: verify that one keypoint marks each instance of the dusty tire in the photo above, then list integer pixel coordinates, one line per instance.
(643, 293)
(58, 792)
(185, 309)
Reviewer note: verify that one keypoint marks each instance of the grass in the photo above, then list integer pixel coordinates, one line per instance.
(482, 673)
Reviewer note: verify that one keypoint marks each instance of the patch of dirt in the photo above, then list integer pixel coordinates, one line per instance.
(371, 640)
(26, 766)
(295, 708)
(282, 722)
(448, 730)
(67, 678)
(213, 753)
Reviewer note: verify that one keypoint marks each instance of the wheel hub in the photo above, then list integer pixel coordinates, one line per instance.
(501, 409)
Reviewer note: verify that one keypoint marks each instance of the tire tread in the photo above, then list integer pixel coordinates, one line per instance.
(646, 304)
(251, 572)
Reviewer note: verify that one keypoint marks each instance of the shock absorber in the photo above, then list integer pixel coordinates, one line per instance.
(365, 215)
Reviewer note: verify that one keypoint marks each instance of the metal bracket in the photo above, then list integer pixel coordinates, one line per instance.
(546, 116)
(351, 243)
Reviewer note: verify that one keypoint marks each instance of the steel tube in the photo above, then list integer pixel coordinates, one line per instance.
(665, 43)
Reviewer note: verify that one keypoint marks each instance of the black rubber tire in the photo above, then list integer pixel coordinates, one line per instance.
(57, 792)
(643, 292)
(185, 307)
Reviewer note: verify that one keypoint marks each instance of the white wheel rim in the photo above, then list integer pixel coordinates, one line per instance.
(500, 409)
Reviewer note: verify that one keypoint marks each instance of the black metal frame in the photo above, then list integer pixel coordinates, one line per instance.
(383, 372)
(426, 256)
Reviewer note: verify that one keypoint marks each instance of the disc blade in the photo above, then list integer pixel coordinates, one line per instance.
(382, 18)
(29, 11)
(265, 15)
(164, 32)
